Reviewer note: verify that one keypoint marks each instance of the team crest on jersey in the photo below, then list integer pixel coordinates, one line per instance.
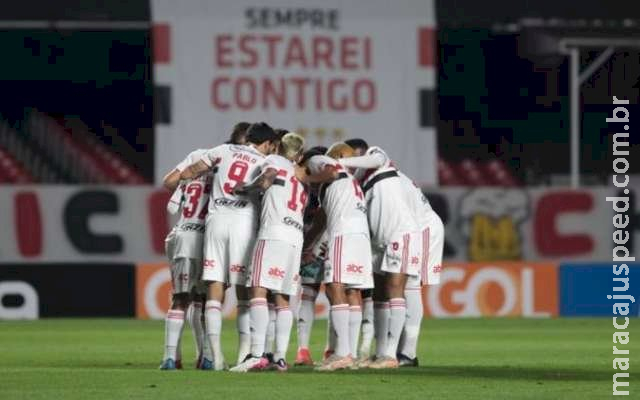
(395, 246)
(276, 272)
(355, 269)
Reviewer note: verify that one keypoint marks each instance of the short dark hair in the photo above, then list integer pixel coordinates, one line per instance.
(358, 143)
(239, 132)
(261, 132)
(281, 132)
(314, 151)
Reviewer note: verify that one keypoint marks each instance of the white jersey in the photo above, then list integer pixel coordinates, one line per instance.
(195, 196)
(283, 203)
(341, 199)
(388, 211)
(416, 200)
(233, 165)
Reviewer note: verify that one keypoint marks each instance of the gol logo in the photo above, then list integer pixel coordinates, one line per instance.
(209, 264)
(355, 269)
(276, 272)
(495, 290)
(237, 268)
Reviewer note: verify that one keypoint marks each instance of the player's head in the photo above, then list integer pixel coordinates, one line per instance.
(261, 136)
(291, 146)
(279, 133)
(314, 151)
(239, 133)
(340, 150)
(359, 146)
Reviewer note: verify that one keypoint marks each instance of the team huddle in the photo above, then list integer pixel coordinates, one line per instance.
(274, 220)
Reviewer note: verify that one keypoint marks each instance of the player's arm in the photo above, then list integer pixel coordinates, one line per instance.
(194, 170)
(368, 161)
(175, 202)
(260, 184)
(317, 171)
(313, 234)
(327, 174)
(171, 180)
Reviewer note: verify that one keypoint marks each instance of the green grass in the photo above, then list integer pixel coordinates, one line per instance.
(461, 359)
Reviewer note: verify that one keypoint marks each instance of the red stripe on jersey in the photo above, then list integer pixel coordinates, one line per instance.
(28, 224)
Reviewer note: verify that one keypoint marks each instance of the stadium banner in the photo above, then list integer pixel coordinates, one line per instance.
(584, 288)
(128, 224)
(516, 289)
(329, 70)
(153, 294)
(66, 290)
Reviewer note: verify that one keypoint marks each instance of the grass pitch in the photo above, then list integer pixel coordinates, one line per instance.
(460, 359)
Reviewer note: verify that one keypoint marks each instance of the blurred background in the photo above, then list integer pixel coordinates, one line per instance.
(496, 108)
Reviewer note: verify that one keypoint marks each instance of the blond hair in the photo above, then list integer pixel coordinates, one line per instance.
(340, 150)
(291, 145)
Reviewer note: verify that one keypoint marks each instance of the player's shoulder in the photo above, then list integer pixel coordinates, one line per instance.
(197, 154)
(376, 150)
(277, 160)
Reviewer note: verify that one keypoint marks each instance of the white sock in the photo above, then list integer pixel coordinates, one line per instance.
(213, 317)
(306, 316)
(339, 316)
(397, 316)
(367, 327)
(409, 340)
(259, 320)
(244, 334)
(271, 330)
(173, 324)
(284, 322)
(381, 326)
(194, 315)
(355, 321)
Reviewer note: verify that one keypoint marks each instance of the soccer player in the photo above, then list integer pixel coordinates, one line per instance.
(183, 247)
(432, 248)
(397, 245)
(231, 223)
(276, 257)
(349, 255)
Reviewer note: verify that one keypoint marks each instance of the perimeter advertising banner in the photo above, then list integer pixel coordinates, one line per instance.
(330, 70)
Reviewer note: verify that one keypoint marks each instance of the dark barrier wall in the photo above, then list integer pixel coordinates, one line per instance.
(67, 290)
(83, 10)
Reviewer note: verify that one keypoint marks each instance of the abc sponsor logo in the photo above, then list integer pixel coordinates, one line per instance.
(237, 268)
(495, 290)
(209, 264)
(276, 272)
(355, 269)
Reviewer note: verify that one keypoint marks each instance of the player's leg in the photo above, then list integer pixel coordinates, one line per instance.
(242, 322)
(355, 319)
(270, 343)
(306, 317)
(284, 323)
(367, 324)
(174, 322)
(381, 315)
(407, 347)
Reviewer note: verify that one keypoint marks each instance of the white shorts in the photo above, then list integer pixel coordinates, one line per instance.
(184, 251)
(348, 259)
(275, 266)
(183, 244)
(432, 249)
(403, 255)
(229, 239)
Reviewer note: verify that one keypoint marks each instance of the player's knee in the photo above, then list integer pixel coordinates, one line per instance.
(180, 301)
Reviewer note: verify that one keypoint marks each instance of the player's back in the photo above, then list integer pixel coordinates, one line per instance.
(283, 203)
(388, 211)
(195, 197)
(342, 199)
(234, 165)
(416, 200)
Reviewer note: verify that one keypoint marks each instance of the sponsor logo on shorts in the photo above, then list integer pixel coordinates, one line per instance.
(209, 264)
(230, 203)
(292, 222)
(276, 272)
(415, 260)
(191, 227)
(237, 268)
(436, 268)
(355, 269)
